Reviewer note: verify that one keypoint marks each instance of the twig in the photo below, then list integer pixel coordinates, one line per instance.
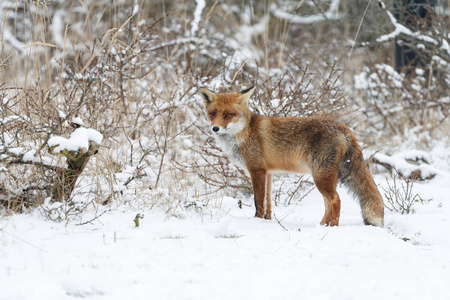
(93, 219)
(279, 222)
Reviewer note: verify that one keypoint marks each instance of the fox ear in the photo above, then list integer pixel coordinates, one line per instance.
(245, 95)
(207, 96)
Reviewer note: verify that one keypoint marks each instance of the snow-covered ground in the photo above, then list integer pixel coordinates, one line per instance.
(225, 253)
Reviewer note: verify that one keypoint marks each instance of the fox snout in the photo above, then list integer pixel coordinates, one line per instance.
(230, 128)
(219, 129)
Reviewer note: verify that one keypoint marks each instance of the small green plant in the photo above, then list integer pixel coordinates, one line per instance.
(136, 219)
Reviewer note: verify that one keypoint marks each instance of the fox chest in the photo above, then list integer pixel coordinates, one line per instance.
(230, 146)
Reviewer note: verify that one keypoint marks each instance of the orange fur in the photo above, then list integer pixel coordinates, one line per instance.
(321, 146)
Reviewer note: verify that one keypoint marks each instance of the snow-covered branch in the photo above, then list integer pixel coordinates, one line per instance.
(15, 157)
(330, 14)
(197, 16)
(434, 45)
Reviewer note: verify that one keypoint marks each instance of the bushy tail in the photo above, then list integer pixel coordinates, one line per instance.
(355, 174)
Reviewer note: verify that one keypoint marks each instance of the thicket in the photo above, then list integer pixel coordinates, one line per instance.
(131, 70)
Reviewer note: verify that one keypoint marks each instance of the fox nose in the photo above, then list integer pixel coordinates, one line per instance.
(215, 129)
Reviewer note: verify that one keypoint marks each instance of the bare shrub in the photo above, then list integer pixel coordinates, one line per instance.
(96, 95)
(395, 102)
(414, 97)
(399, 196)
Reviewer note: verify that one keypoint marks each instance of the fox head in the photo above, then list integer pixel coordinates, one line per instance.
(228, 113)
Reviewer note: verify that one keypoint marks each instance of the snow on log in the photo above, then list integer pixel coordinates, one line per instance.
(413, 164)
(79, 140)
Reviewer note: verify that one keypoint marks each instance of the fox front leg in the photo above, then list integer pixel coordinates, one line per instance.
(268, 200)
(259, 189)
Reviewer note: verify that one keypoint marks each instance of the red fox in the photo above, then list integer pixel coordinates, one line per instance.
(320, 146)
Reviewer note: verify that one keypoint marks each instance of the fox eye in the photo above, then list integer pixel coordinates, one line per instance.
(212, 114)
(228, 115)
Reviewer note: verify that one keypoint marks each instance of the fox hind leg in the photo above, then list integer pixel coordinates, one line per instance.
(326, 183)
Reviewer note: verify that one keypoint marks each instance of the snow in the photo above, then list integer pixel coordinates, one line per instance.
(7, 120)
(229, 258)
(135, 7)
(399, 29)
(57, 27)
(79, 139)
(445, 46)
(223, 252)
(9, 37)
(409, 161)
(61, 114)
(6, 138)
(420, 72)
(29, 156)
(17, 150)
(78, 121)
(197, 16)
(245, 34)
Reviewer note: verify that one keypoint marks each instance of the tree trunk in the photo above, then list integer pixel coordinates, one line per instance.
(65, 179)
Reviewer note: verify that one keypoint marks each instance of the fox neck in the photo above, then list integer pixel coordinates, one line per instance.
(245, 132)
(229, 144)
